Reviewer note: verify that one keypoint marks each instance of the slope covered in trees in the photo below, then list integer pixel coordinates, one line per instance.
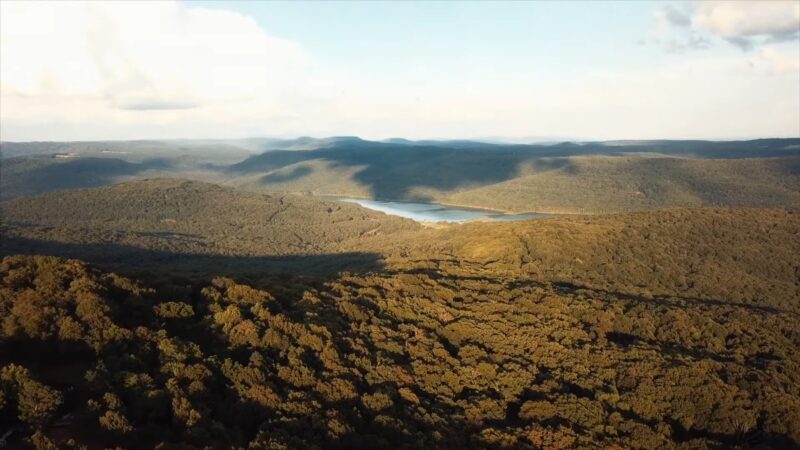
(415, 357)
(736, 255)
(615, 184)
(589, 177)
(187, 217)
(30, 168)
(667, 329)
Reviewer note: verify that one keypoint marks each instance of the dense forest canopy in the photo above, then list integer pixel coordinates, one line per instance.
(666, 329)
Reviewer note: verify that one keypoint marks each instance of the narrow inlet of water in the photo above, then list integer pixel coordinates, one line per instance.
(434, 212)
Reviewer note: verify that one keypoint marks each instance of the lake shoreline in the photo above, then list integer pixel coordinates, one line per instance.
(437, 213)
(332, 197)
(549, 212)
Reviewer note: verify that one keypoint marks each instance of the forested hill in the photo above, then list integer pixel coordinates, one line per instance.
(168, 216)
(173, 222)
(302, 323)
(746, 256)
(625, 331)
(559, 178)
(585, 177)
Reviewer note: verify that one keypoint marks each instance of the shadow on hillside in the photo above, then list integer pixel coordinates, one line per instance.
(392, 171)
(455, 432)
(669, 301)
(86, 173)
(132, 260)
(572, 289)
(672, 352)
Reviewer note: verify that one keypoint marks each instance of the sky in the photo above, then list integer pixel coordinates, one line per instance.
(522, 71)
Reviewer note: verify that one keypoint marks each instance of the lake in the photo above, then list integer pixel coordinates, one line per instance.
(434, 212)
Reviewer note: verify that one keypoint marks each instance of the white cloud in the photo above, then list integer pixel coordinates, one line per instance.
(112, 70)
(140, 56)
(746, 24)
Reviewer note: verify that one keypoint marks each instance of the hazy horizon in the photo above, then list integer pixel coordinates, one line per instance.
(509, 140)
(224, 70)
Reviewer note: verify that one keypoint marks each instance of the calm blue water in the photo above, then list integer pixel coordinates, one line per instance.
(434, 212)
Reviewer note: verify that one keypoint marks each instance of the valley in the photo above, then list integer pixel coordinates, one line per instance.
(566, 178)
(169, 310)
(400, 225)
(667, 329)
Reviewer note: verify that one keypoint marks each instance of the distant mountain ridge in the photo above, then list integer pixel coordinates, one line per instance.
(574, 177)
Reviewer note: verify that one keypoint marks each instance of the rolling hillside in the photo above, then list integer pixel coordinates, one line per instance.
(745, 256)
(601, 184)
(593, 177)
(667, 329)
(645, 253)
(167, 216)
